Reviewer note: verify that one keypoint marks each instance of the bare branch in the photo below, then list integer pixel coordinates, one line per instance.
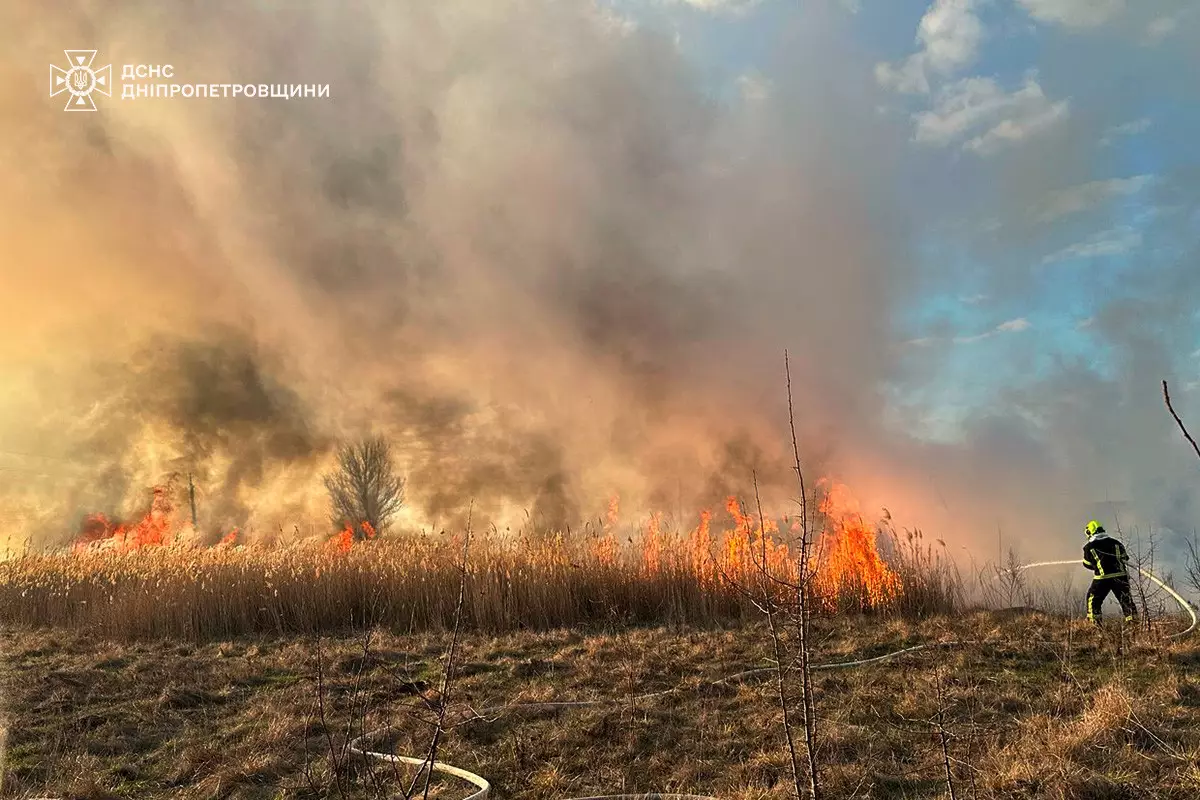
(804, 644)
(777, 644)
(1178, 421)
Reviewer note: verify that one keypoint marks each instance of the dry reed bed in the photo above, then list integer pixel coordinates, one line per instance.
(411, 584)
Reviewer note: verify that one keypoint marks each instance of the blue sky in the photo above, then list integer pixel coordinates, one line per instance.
(1050, 168)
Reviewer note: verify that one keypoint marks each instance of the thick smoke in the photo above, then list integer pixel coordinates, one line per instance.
(527, 243)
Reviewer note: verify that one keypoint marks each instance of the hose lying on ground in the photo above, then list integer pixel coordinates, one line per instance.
(359, 746)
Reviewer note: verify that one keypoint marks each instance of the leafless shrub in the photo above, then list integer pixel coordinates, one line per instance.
(1150, 599)
(1191, 564)
(364, 489)
(1014, 590)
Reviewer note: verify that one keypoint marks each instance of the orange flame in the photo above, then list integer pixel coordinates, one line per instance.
(159, 527)
(343, 541)
(652, 545)
(614, 506)
(98, 533)
(701, 548)
(850, 563)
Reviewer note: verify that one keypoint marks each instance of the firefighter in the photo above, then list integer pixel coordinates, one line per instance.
(1106, 557)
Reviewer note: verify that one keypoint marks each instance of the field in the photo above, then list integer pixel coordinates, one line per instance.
(149, 667)
(1032, 707)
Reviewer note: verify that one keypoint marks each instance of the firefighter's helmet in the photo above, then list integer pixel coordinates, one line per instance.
(1093, 528)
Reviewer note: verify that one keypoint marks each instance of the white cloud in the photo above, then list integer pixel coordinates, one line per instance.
(985, 117)
(1132, 128)
(753, 87)
(1113, 242)
(1089, 195)
(734, 7)
(909, 77)
(960, 107)
(1011, 326)
(948, 36)
(1161, 27)
(614, 22)
(973, 300)
(1074, 13)
(1018, 128)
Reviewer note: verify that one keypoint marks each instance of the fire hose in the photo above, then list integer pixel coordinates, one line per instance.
(1183, 603)
(360, 745)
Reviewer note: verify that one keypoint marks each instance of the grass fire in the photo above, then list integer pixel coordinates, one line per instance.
(601, 400)
(152, 577)
(308, 661)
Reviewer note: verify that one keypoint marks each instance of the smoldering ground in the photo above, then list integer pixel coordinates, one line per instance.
(524, 240)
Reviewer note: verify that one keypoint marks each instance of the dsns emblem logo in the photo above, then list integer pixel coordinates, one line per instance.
(80, 80)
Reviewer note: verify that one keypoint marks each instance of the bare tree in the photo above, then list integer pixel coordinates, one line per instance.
(364, 491)
(1178, 421)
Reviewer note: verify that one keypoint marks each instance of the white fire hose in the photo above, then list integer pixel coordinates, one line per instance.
(359, 746)
(1183, 603)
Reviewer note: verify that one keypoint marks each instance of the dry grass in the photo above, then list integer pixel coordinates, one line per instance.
(1038, 708)
(184, 672)
(410, 583)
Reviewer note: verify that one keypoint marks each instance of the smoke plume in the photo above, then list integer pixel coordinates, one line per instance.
(527, 243)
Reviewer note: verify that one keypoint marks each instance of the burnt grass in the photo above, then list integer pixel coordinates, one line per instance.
(1034, 707)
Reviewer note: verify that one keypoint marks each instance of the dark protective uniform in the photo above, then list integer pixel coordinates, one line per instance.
(1107, 558)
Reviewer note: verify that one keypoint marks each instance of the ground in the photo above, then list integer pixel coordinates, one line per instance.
(1032, 706)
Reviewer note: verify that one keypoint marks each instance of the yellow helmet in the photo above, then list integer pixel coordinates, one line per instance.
(1093, 528)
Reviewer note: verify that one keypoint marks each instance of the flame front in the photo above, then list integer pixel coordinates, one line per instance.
(159, 527)
(848, 569)
(156, 528)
